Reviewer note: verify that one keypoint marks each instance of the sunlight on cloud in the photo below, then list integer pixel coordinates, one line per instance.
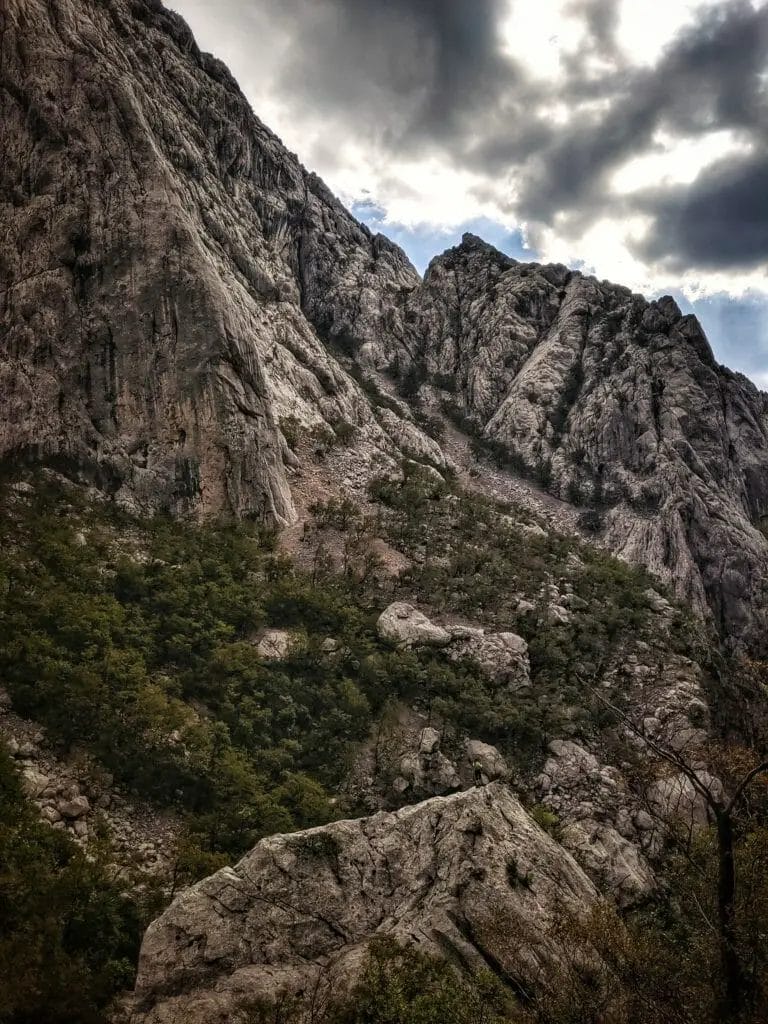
(539, 33)
(421, 192)
(677, 161)
(643, 35)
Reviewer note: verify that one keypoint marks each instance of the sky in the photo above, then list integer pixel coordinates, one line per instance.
(626, 138)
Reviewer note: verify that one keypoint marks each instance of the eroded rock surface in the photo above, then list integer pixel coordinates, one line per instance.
(168, 268)
(612, 403)
(470, 874)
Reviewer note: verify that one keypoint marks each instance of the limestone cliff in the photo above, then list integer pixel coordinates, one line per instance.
(160, 251)
(612, 403)
(469, 876)
(174, 286)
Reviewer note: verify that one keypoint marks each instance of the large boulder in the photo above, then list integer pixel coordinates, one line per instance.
(406, 626)
(676, 799)
(492, 762)
(470, 873)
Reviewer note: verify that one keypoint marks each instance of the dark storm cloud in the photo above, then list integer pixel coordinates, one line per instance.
(601, 18)
(709, 79)
(413, 72)
(719, 221)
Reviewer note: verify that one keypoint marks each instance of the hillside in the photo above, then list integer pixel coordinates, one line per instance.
(382, 649)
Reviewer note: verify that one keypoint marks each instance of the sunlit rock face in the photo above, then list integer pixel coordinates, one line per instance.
(468, 875)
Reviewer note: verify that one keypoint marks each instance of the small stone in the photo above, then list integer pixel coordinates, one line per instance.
(33, 782)
(74, 808)
(81, 829)
(644, 822)
(329, 645)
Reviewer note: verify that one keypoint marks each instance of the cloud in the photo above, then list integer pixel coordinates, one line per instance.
(719, 221)
(632, 143)
(409, 74)
(711, 78)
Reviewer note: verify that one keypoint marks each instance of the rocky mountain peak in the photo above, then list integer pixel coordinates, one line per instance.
(183, 299)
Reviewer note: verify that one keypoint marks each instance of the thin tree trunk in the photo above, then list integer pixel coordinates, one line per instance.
(733, 976)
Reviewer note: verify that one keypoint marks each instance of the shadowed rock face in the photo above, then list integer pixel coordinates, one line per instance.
(469, 875)
(160, 252)
(612, 403)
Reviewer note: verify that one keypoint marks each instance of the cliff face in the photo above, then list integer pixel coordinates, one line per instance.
(161, 248)
(174, 285)
(615, 404)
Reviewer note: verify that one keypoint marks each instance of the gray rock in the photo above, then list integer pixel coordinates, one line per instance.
(502, 657)
(74, 808)
(492, 762)
(429, 741)
(274, 644)
(676, 799)
(406, 626)
(439, 870)
(33, 782)
(608, 858)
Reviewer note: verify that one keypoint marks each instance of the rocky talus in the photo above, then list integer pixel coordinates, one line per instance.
(469, 876)
(78, 797)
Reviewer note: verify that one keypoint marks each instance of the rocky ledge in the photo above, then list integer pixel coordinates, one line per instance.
(469, 876)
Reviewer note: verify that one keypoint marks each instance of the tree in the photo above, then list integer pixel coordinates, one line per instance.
(724, 807)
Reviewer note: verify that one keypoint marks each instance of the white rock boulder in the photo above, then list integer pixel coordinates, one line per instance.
(406, 626)
(298, 911)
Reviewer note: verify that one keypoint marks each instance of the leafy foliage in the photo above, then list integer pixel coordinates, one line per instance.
(69, 936)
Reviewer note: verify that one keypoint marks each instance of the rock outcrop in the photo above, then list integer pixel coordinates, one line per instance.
(502, 657)
(614, 404)
(469, 875)
(405, 626)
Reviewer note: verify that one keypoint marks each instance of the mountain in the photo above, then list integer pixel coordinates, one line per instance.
(166, 267)
(615, 404)
(176, 285)
(299, 550)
